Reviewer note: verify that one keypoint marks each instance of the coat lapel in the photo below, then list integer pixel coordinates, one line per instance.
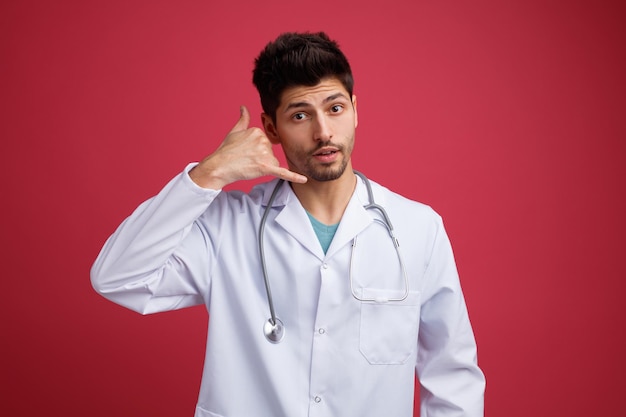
(294, 220)
(292, 217)
(355, 219)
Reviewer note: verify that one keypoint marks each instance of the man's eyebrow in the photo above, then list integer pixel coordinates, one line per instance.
(304, 104)
(334, 97)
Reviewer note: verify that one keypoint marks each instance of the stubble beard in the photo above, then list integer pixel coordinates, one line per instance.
(326, 172)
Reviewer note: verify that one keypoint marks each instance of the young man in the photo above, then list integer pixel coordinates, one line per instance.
(352, 316)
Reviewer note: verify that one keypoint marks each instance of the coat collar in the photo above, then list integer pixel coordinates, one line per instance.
(293, 218)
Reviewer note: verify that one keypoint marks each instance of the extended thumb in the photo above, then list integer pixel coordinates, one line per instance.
(244, 120)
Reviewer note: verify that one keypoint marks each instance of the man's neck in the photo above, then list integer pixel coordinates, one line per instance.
(326, 200)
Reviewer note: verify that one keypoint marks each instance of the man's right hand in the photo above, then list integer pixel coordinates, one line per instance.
(245, 154)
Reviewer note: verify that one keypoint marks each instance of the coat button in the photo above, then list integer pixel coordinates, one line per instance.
(318, 399)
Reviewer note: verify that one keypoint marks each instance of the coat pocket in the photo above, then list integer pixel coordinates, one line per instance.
(388, 330)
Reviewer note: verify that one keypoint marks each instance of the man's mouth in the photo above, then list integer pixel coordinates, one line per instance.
(326, 152)
(326, 155)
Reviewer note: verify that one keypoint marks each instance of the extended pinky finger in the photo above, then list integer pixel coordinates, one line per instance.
(287, 175)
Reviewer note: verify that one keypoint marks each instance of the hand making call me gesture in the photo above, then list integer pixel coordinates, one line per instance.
(245, 154)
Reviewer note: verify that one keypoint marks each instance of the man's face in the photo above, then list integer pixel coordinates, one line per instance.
(315, 127)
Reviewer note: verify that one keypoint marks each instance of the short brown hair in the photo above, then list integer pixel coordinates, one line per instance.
(298, 59)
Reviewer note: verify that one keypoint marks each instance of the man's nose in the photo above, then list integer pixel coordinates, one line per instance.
(323, 129)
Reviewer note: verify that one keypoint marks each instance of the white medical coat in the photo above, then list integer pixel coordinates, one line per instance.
(340, 357)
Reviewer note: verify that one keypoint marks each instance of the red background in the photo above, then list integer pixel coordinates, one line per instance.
(506, 117)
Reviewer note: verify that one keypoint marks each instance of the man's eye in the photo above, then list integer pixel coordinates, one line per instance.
(299, 116)
(336, 108)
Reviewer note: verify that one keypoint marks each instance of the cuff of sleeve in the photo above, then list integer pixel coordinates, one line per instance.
(195, 187)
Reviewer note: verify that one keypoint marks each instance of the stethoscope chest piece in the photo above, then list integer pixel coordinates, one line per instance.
(274, 332)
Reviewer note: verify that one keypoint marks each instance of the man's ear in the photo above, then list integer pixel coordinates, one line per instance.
(270, 128)
(356, 115)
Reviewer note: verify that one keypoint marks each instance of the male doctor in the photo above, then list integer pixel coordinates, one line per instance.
(354, 317)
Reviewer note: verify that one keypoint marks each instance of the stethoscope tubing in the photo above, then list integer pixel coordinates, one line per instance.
(273, 328)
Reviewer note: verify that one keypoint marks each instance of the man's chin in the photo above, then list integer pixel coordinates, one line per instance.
(326, 173)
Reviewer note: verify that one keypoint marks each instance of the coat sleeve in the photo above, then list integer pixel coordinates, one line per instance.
(157, 259)
(451, 383)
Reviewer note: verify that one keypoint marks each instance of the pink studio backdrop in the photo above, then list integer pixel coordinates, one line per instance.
(506, 116)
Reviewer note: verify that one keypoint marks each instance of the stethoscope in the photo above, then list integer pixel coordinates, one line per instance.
(274, 329)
